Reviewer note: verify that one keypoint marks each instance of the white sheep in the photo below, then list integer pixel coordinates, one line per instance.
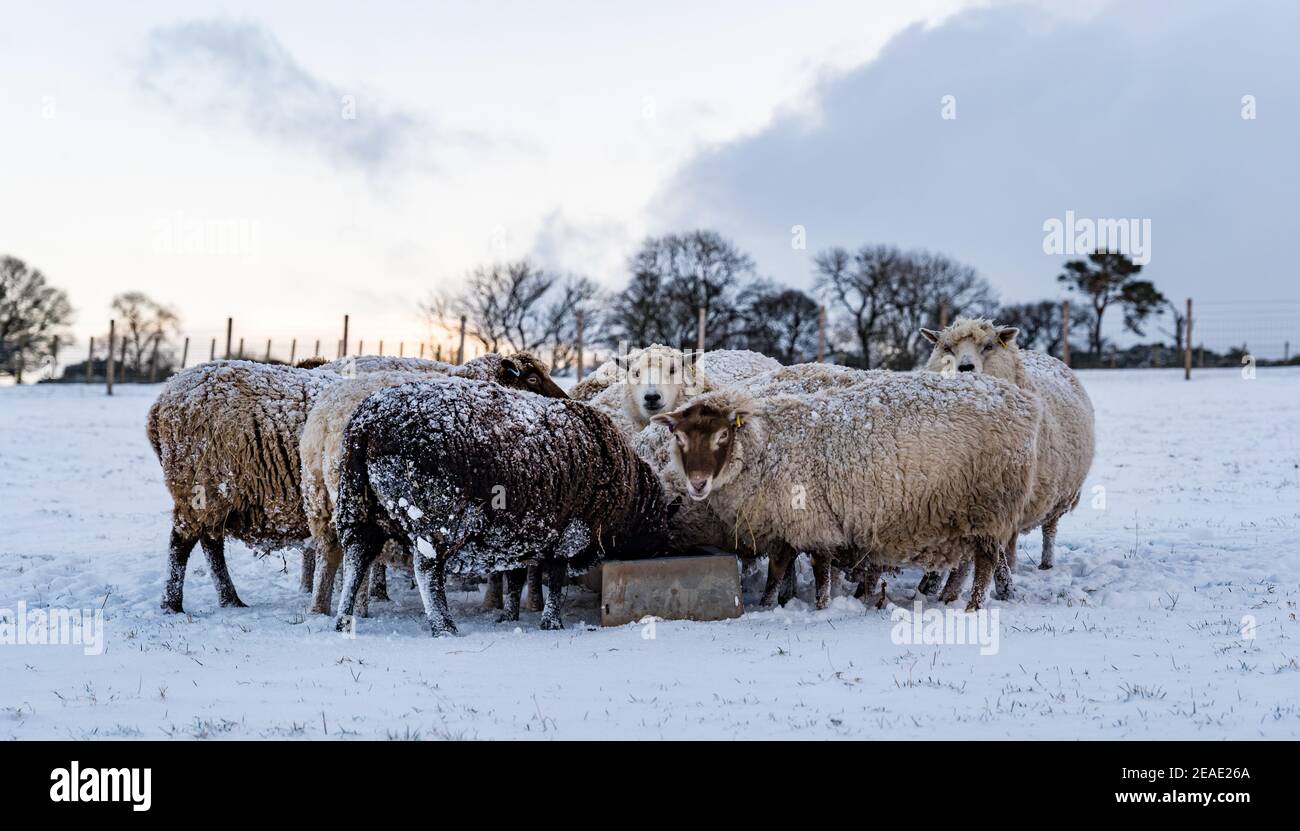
(1066, 442)
(633, 387)
(887, 468)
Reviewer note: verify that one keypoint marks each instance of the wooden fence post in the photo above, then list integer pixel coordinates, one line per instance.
(212, 353)
(268, 350)
(438, 357)
(1065, 332)
(1187, 345)
(241, 349)
(943, 315)
(821, 333)
(699, 339)
(401, 349)
(343, 350)
(90, 358)
(153, 364)
(580, 324)
(293, 350)
(421, 350)
(122, 362)
(361, 348)
(185, 353)
(317, 354)
(460, 353)
(381, 347)
(230, 323)
(108, 366)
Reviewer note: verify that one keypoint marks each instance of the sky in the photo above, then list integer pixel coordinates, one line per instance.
(288, 163)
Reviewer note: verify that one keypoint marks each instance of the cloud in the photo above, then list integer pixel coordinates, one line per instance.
(1133, 112)
(225, 72)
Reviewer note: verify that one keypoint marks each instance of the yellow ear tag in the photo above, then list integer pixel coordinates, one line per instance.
(737, 421)
(1004, 344)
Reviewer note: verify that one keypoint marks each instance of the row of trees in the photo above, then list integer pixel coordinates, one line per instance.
(878, 297)
(36, 319)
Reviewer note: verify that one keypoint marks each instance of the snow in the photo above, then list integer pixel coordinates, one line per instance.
(1171, 612)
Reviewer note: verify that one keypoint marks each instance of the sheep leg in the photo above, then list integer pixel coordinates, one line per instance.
(822, 579)
(556, 573)
(359, 552)
(778, 565)
(956, 580)
(328, 558)
(178, 555)
(492, 596)
(1049, 543)
(789, 581)
(306, 577)
(1002, 587)
(214, 548)
(987, 554)
(534, 588)
(431, 577)
(514, 590)
(870, 577)
(378, 582)
(929, 584)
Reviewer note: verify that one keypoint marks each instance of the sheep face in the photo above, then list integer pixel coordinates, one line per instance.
(704, 443)
(656, 378)
(979, 346)
(524, 372)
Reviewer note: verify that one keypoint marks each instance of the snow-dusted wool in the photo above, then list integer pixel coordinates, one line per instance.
(1067, 439)
(226, 434)
(658, 378)
(475, 478)
(888, 468)
(322, 441)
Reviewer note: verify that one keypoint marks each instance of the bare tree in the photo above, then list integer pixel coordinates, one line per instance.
(923, 285)
(503, 304)
(146, 327)
(32, 315)
(672, 277)
(860, 284)
(780, 322)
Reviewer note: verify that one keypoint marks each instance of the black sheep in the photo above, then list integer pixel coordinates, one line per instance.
(476, 479)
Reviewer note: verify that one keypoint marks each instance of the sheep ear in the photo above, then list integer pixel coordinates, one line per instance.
(1007, 334)
(668, 420)
(931, 335)
(510, 368)
(740, 415)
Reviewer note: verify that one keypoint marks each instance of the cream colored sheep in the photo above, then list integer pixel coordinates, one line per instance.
(890, 468)
(1066, 441)
(226, 434)
(633, 387)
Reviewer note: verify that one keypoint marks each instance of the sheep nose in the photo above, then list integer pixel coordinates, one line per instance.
(652, 398)
(699, 483)
(966, 368)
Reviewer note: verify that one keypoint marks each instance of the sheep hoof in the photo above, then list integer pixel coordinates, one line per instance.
(532, 605)
(343, 623)
(442, 628)
(1044, 566)
(550, 624)
(505, 618)
(973, 605)
(233, 603)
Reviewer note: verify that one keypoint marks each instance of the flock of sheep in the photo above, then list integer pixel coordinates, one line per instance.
(488, 470)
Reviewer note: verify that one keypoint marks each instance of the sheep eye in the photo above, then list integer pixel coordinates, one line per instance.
(672, 370)
(532, 380)
(724, 436)
(948, 349)
(988, 346)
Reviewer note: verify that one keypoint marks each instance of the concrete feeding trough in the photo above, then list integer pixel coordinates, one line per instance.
(695, 587)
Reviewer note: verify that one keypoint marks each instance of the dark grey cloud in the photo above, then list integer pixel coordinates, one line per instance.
(220, 71)
(1134, 113)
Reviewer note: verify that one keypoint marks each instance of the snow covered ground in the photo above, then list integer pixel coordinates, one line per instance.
(1143, 630)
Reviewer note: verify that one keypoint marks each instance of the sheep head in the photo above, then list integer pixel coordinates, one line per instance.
(657, 378)
(704, 443)
(976, 345)
(524, 371)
